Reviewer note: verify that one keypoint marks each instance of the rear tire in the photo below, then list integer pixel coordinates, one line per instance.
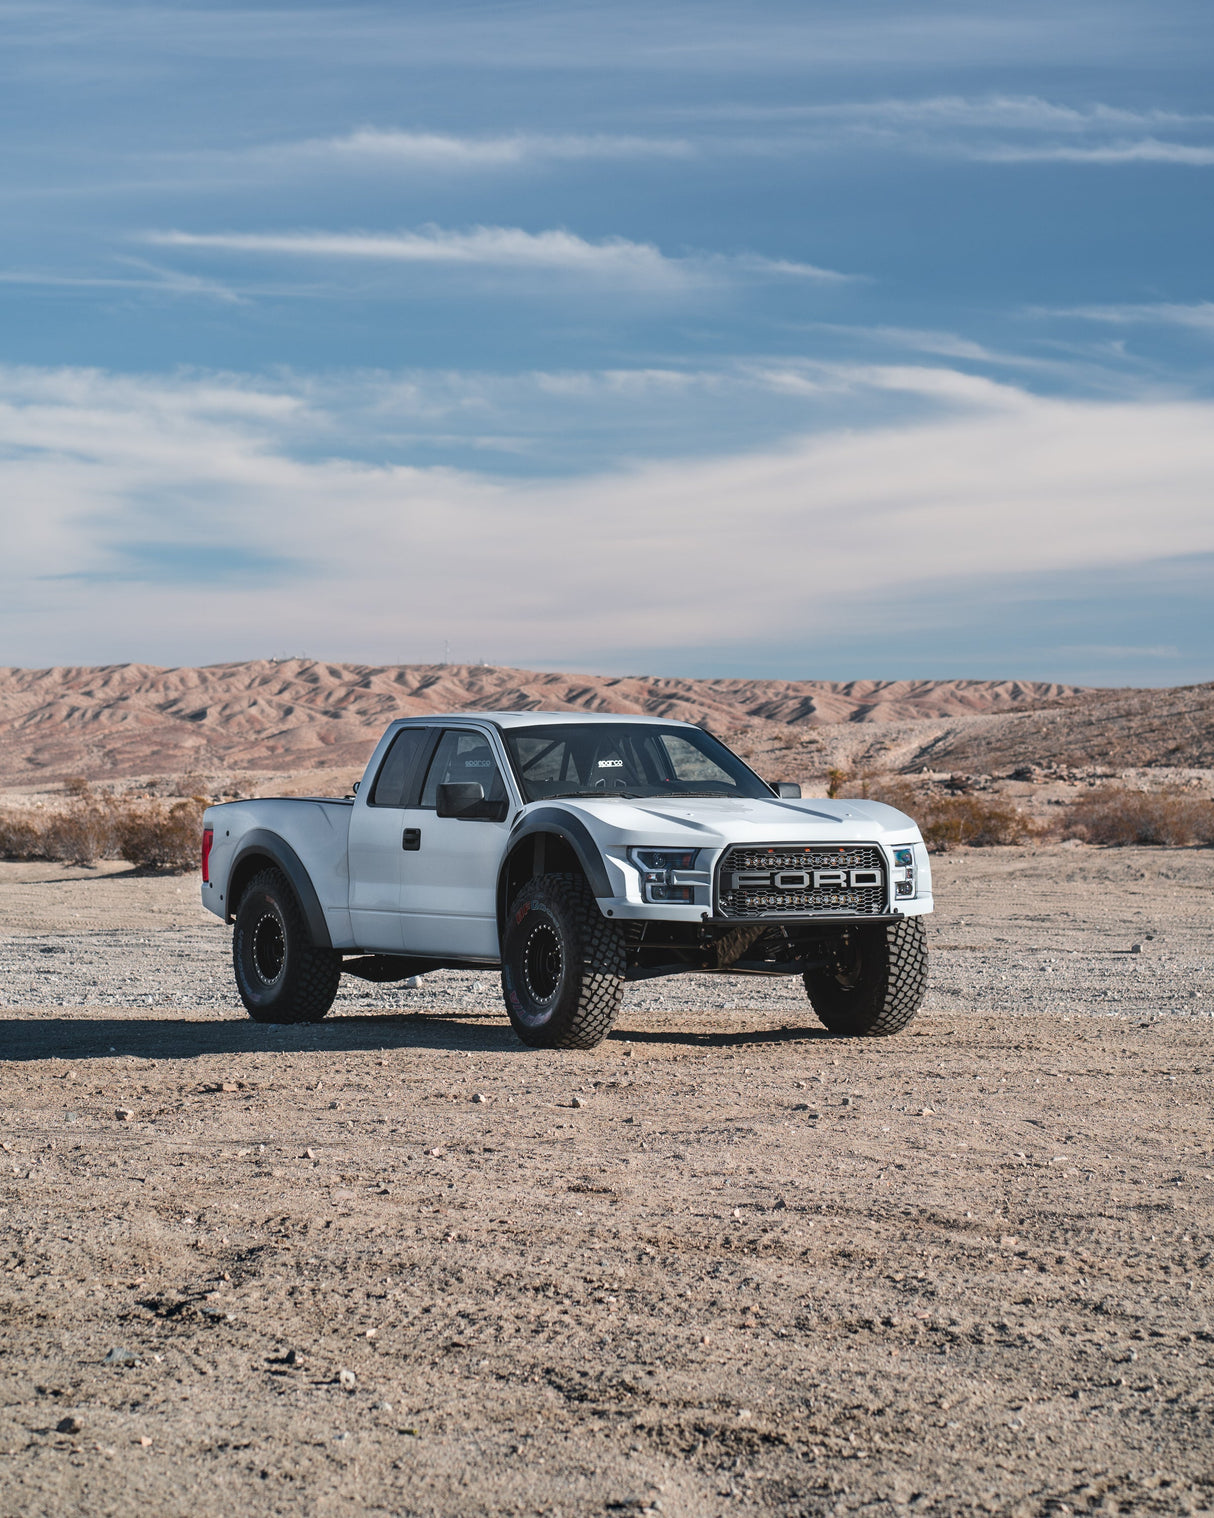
(876, 982)
(281, 975)
(562, 965)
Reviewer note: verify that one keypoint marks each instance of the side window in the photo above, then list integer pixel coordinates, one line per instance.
(397, 779)
(463, 756)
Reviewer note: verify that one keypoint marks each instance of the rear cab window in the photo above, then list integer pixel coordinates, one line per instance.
(400, 773)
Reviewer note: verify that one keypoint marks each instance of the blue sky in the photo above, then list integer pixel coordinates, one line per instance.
(804, 340)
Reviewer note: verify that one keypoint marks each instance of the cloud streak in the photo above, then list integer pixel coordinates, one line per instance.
(1022, 112)
(989, 129)
(386, 148)
(1197, 316)
(1146, 150)
(483, 247)
(613, 260)
(161, 281)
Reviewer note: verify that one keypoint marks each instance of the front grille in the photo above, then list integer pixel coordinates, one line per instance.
(802, 880)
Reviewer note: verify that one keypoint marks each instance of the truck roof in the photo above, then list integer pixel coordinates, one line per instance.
(531, 719)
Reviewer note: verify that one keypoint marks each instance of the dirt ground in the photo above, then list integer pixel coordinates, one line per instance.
(725, 1264)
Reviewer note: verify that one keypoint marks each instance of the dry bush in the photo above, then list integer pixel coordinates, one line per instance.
(20, 836)
(979, 821)
(153, 835)
(161, 837)
(1114, 815)
(82, 834)
(950, 821)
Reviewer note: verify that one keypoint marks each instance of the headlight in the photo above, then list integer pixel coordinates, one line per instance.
(662, 874)
(904, 872)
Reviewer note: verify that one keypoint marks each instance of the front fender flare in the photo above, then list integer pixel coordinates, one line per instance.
(264, 844)
(552, 819)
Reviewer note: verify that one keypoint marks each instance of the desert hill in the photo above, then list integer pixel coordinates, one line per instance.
(124, 720)
(1118, 729)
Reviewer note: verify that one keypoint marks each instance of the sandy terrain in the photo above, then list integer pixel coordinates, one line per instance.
(724, 1264)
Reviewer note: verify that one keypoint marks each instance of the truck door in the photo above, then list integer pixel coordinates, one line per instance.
(379, 840)
(448, 887)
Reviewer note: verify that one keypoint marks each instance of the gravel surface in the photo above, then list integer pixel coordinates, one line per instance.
(394, 1263)
(1019, 930)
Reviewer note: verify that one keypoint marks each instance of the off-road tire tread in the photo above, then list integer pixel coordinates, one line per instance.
(602, 956)
(315, 972)
(894, 995)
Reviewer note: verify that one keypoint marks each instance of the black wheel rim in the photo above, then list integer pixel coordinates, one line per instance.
(542, 962)
(269, 947)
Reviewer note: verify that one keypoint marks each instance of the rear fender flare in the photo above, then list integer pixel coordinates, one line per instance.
(261, 844)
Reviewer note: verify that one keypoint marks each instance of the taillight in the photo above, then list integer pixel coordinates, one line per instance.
(208, 838)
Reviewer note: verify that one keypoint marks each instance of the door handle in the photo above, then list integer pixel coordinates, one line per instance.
(411, 839)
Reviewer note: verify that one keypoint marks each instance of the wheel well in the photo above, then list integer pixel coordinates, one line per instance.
(537, 854)
(250, 865)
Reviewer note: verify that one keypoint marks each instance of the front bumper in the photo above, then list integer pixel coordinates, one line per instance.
(810, 901)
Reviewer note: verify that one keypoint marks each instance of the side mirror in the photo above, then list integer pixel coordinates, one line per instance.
(466, 799)
(789, 789)
(357, 783)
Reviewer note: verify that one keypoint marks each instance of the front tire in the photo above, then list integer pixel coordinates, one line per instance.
(875, 981)
(562, 965)
(281, 975)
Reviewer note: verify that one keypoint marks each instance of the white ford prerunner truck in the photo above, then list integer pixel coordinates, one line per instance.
(576, 852)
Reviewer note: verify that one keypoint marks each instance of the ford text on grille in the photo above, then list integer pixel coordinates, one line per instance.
(846, 880)
(799, 880)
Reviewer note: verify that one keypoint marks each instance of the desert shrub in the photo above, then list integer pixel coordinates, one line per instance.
(154, 835)
(979, 821)
(82, 834)
(950, 821)
(1115, 815)
(161, 837)
(20, 836)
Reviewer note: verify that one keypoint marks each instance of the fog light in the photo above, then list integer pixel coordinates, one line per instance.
(904, 888)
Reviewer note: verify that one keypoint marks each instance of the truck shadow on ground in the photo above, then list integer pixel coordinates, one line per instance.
(80, 1038)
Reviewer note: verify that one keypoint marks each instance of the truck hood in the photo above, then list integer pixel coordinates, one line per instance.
(715, 822)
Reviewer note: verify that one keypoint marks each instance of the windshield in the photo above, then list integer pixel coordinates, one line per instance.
(627, 759)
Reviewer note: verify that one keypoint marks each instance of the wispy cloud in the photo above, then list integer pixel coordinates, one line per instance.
(1123, 650)
(755, 263)
(98, 36)
(94, 463)
(940, 344)
(1198, 316)
(160, 281)
(613, 260)
(1145, 150)
(1022, 112)
(988, 129)
(938, 384)
(378, 148)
